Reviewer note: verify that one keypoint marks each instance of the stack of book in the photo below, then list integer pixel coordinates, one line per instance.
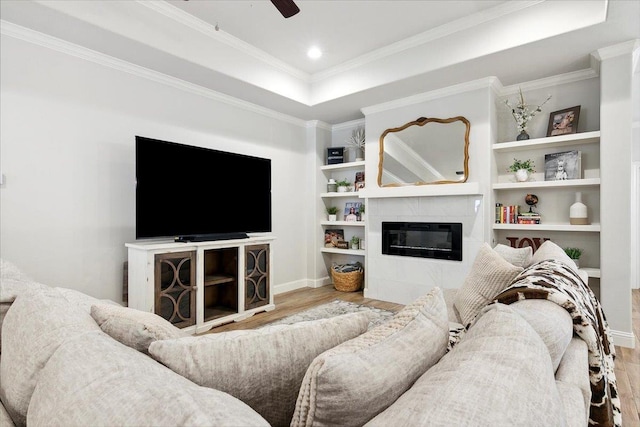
(506, 214)
(529, 218)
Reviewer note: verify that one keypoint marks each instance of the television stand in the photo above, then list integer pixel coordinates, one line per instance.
(200, 285)
(211, 237)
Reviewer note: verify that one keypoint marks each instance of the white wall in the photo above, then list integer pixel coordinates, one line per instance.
(67, 206)
(403, 279)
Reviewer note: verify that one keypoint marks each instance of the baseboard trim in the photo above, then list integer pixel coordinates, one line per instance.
(623, 339)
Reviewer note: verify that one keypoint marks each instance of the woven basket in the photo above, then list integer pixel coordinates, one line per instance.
(347, 282)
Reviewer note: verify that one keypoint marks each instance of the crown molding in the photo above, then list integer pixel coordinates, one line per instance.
(487, 82)
(625, 48)
(449, 28)
(557, 80)
(348, 125)
(318, 124)
(53, 43)
(186, 19)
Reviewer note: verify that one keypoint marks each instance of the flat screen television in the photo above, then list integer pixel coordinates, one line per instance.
(192, 193)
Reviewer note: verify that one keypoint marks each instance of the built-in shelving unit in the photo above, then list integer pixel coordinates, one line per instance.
(339, 199)
(555, 197)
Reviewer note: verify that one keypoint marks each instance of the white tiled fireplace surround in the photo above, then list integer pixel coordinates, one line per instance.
(402, 279)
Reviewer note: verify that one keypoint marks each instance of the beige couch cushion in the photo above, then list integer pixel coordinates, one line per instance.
(520, 257)
(353, 382)
(500, 374)
(33, 329)
(550, 250)
(93, 380)
(134, 328)
(552, 323)
(489, 275)
(262, 367)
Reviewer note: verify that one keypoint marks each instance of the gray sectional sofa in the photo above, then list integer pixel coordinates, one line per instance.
(452, 357)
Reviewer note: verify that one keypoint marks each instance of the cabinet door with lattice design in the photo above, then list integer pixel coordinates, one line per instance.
(256, 278)
(175, 285)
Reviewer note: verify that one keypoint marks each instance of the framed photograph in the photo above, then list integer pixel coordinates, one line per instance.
(564, 122)
(332, 237)
(352, 211)
(564, 165)
(359, 181)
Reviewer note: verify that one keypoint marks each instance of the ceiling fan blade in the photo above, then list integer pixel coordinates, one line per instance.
(286, 7)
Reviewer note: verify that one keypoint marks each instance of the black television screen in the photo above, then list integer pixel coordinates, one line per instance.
(194, 193)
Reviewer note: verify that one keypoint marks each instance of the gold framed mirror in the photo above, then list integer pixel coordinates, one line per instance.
(425, 151)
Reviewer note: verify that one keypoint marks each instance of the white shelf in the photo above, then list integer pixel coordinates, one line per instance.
(344, 194)
(359, 252)
(589, 182)
(345, 223)
(548, 227)
(462, 189)
(343, 166)
(551, 141)
(591, 272)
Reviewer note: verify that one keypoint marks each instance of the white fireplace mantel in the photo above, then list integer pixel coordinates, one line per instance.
(464, 189)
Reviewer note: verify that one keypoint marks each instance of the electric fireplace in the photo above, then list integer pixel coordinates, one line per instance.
(439, 240)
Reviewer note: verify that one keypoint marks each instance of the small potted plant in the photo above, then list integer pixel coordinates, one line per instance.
(574, 254)
(332, 211)
(522, 169)
(361, 212)
(355, 242)
(343, 185)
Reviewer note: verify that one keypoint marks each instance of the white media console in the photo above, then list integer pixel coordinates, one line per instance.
(199, 285)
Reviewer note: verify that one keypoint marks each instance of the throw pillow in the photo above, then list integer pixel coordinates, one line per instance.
(32, 330)
(262, 367)
(134, 328)
(353, 382)
(520, 257)
(500, 374)
(489, 275)
(93, 380)
(550, 250)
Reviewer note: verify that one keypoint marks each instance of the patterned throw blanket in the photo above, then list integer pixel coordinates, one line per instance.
(557, 282)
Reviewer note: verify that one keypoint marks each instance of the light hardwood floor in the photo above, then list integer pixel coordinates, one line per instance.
(627, 360)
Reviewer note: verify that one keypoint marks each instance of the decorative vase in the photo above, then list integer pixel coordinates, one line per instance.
(578, 212)
(577, 261)
(522, 136)
(522, 175)
(342, 189)
(332, 186)
(333, 217)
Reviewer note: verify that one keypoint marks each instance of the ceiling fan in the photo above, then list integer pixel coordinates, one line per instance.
(286, 7)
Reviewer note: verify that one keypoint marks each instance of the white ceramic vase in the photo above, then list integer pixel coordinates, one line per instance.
(333, 218)
(522, 175)
(578, 212)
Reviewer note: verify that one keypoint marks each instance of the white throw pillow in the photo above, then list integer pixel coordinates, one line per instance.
(133, 328)
(490, 274)
(550, 250)
(262, 367)
(520, 257)
(353, 382)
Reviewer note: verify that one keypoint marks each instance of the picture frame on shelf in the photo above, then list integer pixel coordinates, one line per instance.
(564, 122)
(352, 211)
(342, 244)
(332, 236)
(359, 181)
(335, 155)
(562, 166)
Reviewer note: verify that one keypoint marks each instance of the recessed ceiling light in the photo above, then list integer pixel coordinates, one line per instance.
(314, 53)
